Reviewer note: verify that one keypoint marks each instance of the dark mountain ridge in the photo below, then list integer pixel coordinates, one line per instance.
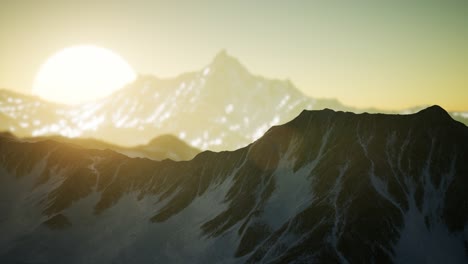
(325, 187)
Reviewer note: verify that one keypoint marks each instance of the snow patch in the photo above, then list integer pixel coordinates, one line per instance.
(292, 192)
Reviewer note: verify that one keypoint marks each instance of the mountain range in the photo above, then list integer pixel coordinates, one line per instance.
(160, 148)
(326, 187)
(220, 107)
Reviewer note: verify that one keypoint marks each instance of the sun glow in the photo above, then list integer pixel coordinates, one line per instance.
(80, 74)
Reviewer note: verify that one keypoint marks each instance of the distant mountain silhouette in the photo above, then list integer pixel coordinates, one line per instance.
(160, 148)
(326, 187)
(220, 107)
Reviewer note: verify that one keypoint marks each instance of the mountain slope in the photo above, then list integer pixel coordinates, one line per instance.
(326, 187)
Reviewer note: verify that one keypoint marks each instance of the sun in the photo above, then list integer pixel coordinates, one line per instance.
(81, 74)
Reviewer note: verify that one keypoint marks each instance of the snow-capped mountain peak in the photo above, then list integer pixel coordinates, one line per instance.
(225, 63)
(220, 107)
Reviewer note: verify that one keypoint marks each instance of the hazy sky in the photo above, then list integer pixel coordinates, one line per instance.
(365, 53)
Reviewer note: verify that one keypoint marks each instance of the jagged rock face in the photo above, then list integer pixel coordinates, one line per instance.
(326, 187)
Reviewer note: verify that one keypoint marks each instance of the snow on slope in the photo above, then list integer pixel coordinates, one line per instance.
(325, 187)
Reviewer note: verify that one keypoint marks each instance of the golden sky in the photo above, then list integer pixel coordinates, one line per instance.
(365, 53)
